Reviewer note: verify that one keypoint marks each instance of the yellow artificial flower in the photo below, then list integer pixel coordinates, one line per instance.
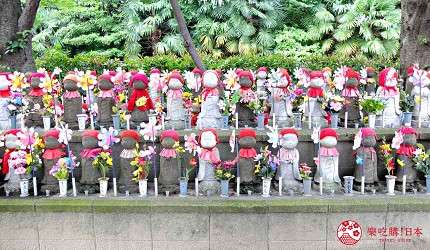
(385, 147)
(28, 159)
(257, 169)
(121, 97)
(197, 100)
(187, 95)
(109, 161)
(401, 163)
(18, 82)
(141, 101)
(86, 81)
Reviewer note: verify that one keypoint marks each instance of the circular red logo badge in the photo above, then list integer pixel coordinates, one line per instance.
(349, 232)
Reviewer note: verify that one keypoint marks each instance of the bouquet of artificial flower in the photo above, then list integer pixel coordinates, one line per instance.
(305, 171)
(267, 163)
(386, 153)
(142, 164)
(103, 162)
(224, 170)
(61, 169)
(422, 160)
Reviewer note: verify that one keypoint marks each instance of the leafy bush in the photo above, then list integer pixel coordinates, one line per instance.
(55, 57)
(369, 27)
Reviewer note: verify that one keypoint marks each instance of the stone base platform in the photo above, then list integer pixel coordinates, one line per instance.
(200, 223)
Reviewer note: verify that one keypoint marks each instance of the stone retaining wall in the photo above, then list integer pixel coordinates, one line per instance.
(287, 223)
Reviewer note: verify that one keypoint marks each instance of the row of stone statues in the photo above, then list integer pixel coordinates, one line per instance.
(200, 96)
(205, 146)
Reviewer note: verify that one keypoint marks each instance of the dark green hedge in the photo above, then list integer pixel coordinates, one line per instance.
(57, 58)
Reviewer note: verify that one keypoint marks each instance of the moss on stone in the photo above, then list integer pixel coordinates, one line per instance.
(63, 205)
(16, 205)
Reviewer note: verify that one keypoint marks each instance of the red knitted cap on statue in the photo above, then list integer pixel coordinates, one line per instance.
(212, 130)
(91, 133)
(169, 134)
(155, 71)
(105, 77)
(52, 133)
(262, 69)
(197, 71)
(12, 132)
(408, 131)
(386, 74)
(365, 132)
(325, 132)
(287, 131)
(130, 134)
(350, 73)
(247, 74)
(139, 77)
(176, 75)
(36, 75)
(247, 132)
(316, 74)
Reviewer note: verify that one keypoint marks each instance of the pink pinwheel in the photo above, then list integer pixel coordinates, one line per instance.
(27, 137)
(149, 131)
(107, 138)
(191, 144)
(147, 153)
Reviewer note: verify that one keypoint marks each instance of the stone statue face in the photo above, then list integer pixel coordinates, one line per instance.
(352, 82)
(89, 142)
(11, 141)
(210, 79)
(35, 82)
(410, 139)
(247, 142)
(174, 84)
(154, 76)
(105, 85)
(51, 142)
(208, 140)
(70, 85)
(289, 141)
(368, 141)
(139, 85)
(261, 74)
(4, 83)
(168, 142)
(317, 82)
(128, 143)
(329, 142)
(245, 82)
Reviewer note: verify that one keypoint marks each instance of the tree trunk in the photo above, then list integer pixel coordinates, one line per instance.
(186, 34)
(14, 19)
(415, 34)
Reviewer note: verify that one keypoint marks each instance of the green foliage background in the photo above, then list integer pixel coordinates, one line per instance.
(227, 33)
